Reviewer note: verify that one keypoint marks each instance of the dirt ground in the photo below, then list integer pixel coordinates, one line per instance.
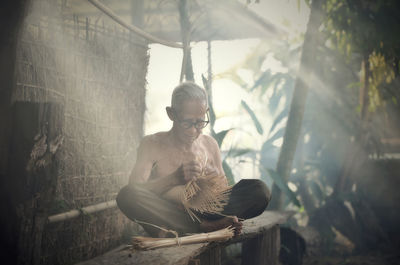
(368, 259)
(342, 252)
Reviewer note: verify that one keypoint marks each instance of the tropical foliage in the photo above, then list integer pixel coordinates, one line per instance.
(357, 65)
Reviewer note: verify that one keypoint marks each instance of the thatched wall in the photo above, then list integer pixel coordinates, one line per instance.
(97, 74)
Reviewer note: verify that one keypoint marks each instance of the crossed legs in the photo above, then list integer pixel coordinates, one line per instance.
(248, 199)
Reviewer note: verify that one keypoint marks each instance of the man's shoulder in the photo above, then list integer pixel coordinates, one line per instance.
(154, 140)
(151, 144)
(208, 140)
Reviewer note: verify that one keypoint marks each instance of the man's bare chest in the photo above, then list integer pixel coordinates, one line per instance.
(169, 160)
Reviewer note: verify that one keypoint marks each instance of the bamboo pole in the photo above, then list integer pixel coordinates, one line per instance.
(132, 28)
(85, 210)
(208, 87)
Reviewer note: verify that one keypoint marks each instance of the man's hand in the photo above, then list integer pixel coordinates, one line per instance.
(191, 170)
(210, 171)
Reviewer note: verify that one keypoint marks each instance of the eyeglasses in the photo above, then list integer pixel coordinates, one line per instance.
(187, 124)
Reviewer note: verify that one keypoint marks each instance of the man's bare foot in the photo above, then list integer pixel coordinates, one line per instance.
(208, 226)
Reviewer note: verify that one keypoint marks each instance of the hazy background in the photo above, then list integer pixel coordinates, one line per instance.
(165, 67)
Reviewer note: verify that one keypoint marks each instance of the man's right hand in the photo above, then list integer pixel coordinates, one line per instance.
(191, 170)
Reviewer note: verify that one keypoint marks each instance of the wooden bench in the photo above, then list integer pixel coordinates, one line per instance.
(260, 245)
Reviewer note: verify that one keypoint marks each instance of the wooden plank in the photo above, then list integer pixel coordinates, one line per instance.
(168, 256)
(260, 224)
(212, 256)
(182, 255)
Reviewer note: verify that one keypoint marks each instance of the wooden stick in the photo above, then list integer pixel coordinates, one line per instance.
(86, 210)
(147, 243)
(132, 28)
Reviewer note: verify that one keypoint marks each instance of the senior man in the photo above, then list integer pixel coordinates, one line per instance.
(166, 161)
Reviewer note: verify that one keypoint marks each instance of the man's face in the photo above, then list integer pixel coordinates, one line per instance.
(190, 112)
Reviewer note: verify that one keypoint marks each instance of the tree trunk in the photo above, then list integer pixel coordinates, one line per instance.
(356, 154)
(293, 127)
(363, 97)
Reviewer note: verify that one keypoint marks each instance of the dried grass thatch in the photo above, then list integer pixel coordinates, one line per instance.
(97, 73)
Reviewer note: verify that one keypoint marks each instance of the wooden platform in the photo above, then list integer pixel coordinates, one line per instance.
(260, 237)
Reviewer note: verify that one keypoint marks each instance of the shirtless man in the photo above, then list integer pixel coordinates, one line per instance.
(166, 161)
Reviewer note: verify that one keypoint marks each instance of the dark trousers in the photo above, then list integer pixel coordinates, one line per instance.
(248, 199)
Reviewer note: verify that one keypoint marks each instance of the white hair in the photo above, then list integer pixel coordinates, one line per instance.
(187, 91)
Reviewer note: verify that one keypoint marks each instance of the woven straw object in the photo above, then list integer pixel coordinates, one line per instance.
(205, 194)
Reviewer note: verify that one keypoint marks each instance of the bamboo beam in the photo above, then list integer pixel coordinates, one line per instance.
(85, 210)
(132, 28)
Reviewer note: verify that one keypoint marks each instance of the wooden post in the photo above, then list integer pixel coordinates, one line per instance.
(137, 12)
(187, 68)
(211, 256)
(194, 262)
(263, 249)
(32, 172)
(13, 12)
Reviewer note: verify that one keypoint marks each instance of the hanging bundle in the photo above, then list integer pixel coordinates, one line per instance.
(147, 243)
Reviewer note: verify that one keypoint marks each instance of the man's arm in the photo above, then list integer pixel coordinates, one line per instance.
(212, 145)
(146, 158)
(163, 184)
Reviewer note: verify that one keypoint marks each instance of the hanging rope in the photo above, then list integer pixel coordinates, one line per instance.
(132, 28)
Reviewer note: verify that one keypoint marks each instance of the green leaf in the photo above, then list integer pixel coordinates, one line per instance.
(235, 152)
(273, 80)
(228, 173)
(233, 76)
(276, 136)
(280, 90)
(220, 136)
(316, 190)
(279, 118)
(264, 80)
(253, 117)
(282, 185)
(354, 85)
